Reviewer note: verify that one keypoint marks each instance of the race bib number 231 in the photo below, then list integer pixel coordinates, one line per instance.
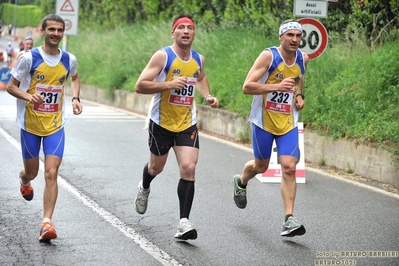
(52, 96)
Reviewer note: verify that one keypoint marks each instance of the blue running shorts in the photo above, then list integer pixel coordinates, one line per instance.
(262, 143)
(52, 144)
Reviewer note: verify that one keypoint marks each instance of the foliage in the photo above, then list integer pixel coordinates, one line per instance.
(47, 7)
(378, 20)
(20, 2)
(118, 57)
(26, 15)
(359, 100)
(375, 20)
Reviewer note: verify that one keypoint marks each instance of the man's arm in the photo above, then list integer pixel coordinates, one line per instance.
(13, 89)
(75, 85)
(203, 87)
(19, 55)
(299, 99)
(146, 84)
(261, 65)
(20, 70)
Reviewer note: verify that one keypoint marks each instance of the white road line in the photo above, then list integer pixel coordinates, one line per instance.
(144, 243)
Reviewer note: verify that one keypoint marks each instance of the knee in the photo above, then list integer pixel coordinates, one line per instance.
(257, 166)
(51, 175)
(261, 168)
(30, 174)
(155, 169)
(289, 170)
(187, 169)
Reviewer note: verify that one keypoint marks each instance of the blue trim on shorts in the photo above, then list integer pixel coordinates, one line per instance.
(52, 145)
(262, 143)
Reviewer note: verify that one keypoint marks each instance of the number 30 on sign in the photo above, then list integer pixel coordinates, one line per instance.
(314, 37)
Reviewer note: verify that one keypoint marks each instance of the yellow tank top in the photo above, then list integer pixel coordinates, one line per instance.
(275, 112)
(175, 110)
(47, 118)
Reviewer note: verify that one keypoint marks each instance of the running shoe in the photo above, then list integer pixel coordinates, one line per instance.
(292, 228)
(240, 194)
(142, 199)
(26, 192)
(185, 230)
(47, 232)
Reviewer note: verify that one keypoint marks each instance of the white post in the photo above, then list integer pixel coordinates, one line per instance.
(65, 42)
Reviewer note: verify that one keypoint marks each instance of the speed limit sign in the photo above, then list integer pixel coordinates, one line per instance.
(314, 37)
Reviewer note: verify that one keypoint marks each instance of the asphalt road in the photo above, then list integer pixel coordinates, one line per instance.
(106, 148)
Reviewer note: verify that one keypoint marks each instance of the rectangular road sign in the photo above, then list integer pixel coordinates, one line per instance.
(69, 11)
(311, 8)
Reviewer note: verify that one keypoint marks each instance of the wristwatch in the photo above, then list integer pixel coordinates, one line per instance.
(75, 98)
(300, 94)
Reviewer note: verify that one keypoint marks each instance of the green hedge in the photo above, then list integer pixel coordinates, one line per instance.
(27, 15)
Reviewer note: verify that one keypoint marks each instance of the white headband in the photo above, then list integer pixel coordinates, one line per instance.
(293, 25)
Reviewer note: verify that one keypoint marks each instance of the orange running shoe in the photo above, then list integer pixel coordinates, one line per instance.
(47, 232)
(26, 192)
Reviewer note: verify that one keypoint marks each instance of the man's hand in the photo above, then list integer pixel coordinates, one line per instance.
(179, 83)
(212, 101)
(36, 98)
(77, 108)
(299, 102)
(286, 84)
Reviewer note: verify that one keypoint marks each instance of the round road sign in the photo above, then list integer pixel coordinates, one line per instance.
(68, 24)
(314, 38)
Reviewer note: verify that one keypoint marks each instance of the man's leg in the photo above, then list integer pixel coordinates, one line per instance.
(53, 147)
(27, 174)
(252, 168)
(187, 158)
(160, 141)
(288, 183)
(30, 147)
(50, 193)
(151, 170)
(262, 142)
(30, 170)
(288, 152)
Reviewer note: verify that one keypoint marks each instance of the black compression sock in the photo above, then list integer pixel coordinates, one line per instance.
(147, 178)
(185, 192)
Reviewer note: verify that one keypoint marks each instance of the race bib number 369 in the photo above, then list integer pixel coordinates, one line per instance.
(280, 102)
(52, 96)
